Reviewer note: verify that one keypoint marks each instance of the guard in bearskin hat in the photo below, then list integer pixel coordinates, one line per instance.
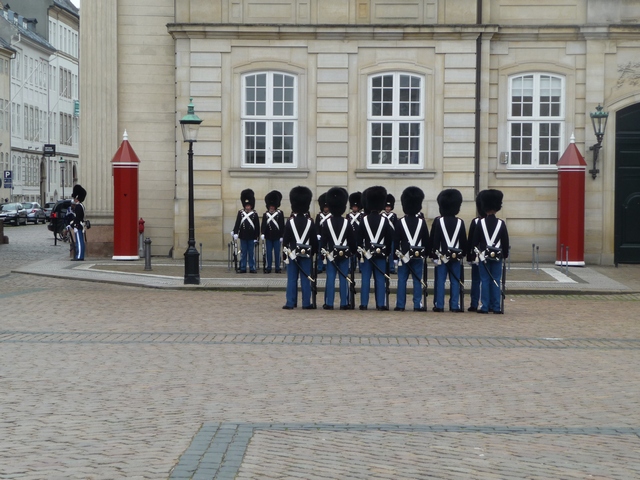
(272, 230)
(355, 217)
(337, 244)
(300, 244)
(491, 244)
(374, 244)
(449, 244)
(412, 240)
(389, 214)
(472, 257)
(247, 229)
(76, 221)
(321, 218)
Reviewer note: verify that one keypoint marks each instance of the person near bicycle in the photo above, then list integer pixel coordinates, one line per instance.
(77, 222)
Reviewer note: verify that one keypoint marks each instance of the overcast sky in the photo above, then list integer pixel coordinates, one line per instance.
(76, 3)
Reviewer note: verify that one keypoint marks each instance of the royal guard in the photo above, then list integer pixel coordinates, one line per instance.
(472, 258)
(491, 244)
(300, 243)
(321, 218)
(355, 216)
(272, 230)
(412, 240)
(391, 218)
(374, 244)
(76, 222)
(247, 229)
(449, 243)
(337, 244)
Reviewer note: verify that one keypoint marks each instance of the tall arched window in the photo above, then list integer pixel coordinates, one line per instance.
(396, 121)
(269, 119)
(536, 120)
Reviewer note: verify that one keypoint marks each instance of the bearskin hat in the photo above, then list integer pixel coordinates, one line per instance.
(274, 197)
(449, 201)
(247, 197)
(337, 200)
(391, 201)
(479, 208)
(491, 200)
(355, 200)
(79, 193)
(300, 199)
(375, 198)
(322, 201)
(411, 199)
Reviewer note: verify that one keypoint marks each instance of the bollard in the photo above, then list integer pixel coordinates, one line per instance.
(229, 257)
(141, 244)
(201, 256)
(533, 256)
(147, 253)
(537, 258)
(567, 270)
(561, 256)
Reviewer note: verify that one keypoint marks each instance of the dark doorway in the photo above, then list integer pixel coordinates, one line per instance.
(627, 187)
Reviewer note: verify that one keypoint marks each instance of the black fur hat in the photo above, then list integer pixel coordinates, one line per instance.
(337, 200)
(79, 192)
(247, 197)
(355, 200)
(322, 201)
(479, 208)
(274, 197)
(411, 200)
(300, 198)
(375, 198)
(491, 200)
(449, 201)
(391, 201)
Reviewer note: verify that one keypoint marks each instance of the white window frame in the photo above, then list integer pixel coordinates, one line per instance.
(394, 121)
(270, 121)
(537, 122)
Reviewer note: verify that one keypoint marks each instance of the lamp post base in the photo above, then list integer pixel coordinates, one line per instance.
(191, 266)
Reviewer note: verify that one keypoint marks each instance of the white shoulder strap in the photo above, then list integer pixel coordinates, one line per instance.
(413, 239)
(299, 239)
(491, 241)
(375, 239)
(453, 241)
(340, 240)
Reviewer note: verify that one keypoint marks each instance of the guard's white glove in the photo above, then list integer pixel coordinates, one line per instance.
(256, 241)
(395, 263)
(280, 239)
(235, 236)
(319, 237)
(437, 262)
(262, 236)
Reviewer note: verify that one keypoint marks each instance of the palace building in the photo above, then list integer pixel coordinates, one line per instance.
(434, 93)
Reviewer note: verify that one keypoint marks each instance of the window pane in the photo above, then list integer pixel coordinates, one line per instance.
(381, 143)
(382, 96)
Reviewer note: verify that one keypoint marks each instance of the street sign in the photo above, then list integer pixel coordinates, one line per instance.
(7, 175)
(8, 183)
(8, 179)
(49, 150)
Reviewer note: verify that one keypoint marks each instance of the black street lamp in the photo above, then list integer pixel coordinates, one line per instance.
(599, 121)
(190, 124)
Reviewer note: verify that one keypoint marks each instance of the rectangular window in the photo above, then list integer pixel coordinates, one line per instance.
(536, 120)
(396, 121)
(269, 119)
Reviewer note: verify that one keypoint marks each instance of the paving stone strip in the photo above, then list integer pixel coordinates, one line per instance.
(319, 339)
(217, 450)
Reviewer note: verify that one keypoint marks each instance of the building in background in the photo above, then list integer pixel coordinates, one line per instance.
(434, 93)
(6, 54)
(44, 105)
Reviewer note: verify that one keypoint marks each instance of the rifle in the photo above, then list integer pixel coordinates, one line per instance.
(504, 285)
(264, 255)
(236, 251)
(484, 263)
(352, 285)
(425, 275)
(314, 283)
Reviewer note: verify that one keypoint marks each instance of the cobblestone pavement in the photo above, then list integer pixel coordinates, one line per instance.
(107, 381)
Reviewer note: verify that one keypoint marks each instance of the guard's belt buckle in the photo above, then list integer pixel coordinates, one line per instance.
(454, 253)
(378, 250)
(493, 253)
(416, 251)
(303, 250)
(340, 251)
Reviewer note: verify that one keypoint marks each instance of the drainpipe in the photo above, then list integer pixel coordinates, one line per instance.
(478, 93)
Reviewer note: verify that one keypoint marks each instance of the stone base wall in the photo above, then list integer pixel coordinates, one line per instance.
(99, 241)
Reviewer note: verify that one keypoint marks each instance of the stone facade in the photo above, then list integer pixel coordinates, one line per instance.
(142, 61)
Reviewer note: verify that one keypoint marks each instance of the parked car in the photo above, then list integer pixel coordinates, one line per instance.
(47, 209)
(13, 213)
(35, 213)
(58, 214)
